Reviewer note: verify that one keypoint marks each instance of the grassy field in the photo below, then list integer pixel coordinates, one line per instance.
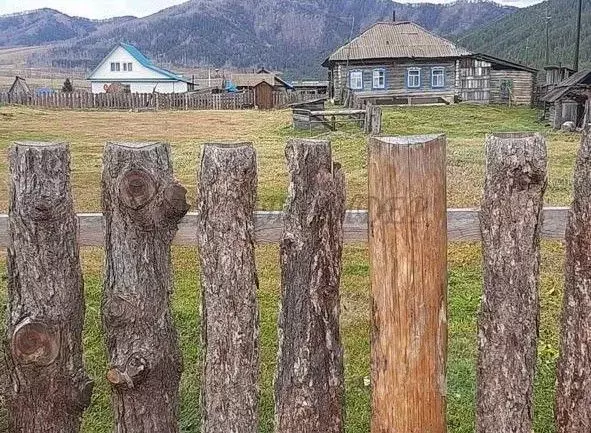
(465, 127)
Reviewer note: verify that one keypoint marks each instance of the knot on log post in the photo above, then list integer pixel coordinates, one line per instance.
(133, 373)
(137, 188)
(35, 343)
(175, 200)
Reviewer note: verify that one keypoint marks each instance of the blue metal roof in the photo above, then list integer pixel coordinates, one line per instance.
(144, 61)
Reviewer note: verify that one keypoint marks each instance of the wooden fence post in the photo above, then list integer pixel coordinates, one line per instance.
(367, 122)
(309, 384)
(510, 222)
(376, 120)
(49, 389)
(230, 330)
(408, 256)
(573, 384)
(142, 205)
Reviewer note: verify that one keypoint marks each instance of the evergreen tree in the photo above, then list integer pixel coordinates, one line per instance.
(67, 87)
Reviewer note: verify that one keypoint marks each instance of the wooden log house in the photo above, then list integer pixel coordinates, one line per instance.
(403, 63)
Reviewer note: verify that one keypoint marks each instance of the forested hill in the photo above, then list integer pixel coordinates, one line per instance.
(521, 36)
(291, 35)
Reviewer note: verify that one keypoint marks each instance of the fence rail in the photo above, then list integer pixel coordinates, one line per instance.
(463, 225)
(134, 101)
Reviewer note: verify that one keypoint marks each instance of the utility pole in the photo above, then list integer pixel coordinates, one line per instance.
(578, 41)
(547, 35)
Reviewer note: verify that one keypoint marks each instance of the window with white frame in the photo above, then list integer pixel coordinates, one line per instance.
(413, 78)
(129, 67)
(379, 79)
(115, 67)
(438, 77)
(356, 80)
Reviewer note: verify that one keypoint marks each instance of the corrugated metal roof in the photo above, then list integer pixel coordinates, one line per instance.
(578, 78)
(397, 40)
(143, 60)
(251, 80)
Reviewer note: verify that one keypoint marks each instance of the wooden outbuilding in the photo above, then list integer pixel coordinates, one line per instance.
(569, 101)
(19, 89)
(263, 95)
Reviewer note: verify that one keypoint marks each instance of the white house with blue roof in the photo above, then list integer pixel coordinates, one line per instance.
(127, 66)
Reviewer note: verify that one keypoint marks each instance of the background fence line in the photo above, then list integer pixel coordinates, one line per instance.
(149, 101)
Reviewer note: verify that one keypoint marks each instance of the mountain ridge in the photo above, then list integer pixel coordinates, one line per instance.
(291, 35)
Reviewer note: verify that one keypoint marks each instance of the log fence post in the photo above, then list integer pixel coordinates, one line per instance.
(408, 257)
(510, 222)
(142, 204)
(229, 283)
(573, 384)
(376, 120)
(49, 389)
(309, 382)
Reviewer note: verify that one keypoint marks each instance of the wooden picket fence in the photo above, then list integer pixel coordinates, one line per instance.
(150, 101)
(145, 211)
(134, 101)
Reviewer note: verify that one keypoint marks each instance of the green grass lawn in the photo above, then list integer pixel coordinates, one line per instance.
(465, 127)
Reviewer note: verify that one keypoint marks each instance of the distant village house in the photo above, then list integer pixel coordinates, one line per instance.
(127, 68)
(401, 62)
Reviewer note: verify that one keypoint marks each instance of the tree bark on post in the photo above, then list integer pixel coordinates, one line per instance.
(309, 384)
(49, 388)
(408, 257)
(376, 120)
(510, 222)
(573, 384)
(142, 204)
(229, 283)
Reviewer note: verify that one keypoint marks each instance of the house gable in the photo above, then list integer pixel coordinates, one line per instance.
(141, 67)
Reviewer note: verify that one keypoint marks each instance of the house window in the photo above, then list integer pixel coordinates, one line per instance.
(413, 78)
(438, 77)
(379, 79)
(129, 67)
(115, 67)
(356, 80)
(125, 66)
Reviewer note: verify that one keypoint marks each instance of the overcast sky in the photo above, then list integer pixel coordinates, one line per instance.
(111, 8)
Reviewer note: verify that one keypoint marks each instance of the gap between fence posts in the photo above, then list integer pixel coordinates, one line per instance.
(229, 283)
(49, 388)
(309, 382)
(510, 216)
(142, 204)
(408, 273)
(573, 384)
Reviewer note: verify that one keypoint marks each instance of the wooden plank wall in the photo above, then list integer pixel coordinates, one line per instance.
(523, 85)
